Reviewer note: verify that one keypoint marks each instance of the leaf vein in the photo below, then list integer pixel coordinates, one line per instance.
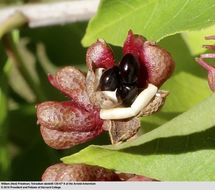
(121, 18)
(126, 4)
(176, 15)
(151, 16)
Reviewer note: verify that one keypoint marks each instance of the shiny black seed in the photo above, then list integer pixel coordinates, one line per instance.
(127, 93)
(109, 80)
(129, 69)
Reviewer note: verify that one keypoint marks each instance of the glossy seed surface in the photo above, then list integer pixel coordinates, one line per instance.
(109, 80)
(129, 69)
(127, 93)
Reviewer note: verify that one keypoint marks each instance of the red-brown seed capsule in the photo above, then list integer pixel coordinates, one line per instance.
(156, 64)
(76, 121)
(99, 55)
(78, 172)
(66, 124)
(66, 139)
(133, 44)
(71, 82)
(83, 172)
(68, 116)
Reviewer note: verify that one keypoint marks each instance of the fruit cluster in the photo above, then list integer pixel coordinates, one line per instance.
(123, 79)
(144, 66)
(79, 119)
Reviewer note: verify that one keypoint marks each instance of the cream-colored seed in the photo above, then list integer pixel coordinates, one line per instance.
(144, 98)
(116, 113)
(140, 102)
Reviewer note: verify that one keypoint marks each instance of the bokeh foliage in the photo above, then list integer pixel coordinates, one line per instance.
(24, 155)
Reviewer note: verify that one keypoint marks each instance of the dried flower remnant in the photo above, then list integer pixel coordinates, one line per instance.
(205, 65)
(111, 97)
(122, 130)
(83, 172)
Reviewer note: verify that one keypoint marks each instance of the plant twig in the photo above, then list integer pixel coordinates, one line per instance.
(13, 21)
(14, 54)
(53, 13)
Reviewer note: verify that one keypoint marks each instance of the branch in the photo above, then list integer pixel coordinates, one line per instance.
(53, 13)
(13, 21)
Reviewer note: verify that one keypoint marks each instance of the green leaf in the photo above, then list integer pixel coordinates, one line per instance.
(181, 149)
(196, 39)
(181, 98)
(41, 52)
(4, 153)
(188, 86)
(61, 42)
(154, 19)
(3, 100)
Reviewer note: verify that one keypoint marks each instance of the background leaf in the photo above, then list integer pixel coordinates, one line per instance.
(181, 149)
(174, 155)
(196, 39)
(154, 19)
(4, 152)
(24, 141)
(188, 85)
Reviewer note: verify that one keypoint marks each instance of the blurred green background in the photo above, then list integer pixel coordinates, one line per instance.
(23, 154)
